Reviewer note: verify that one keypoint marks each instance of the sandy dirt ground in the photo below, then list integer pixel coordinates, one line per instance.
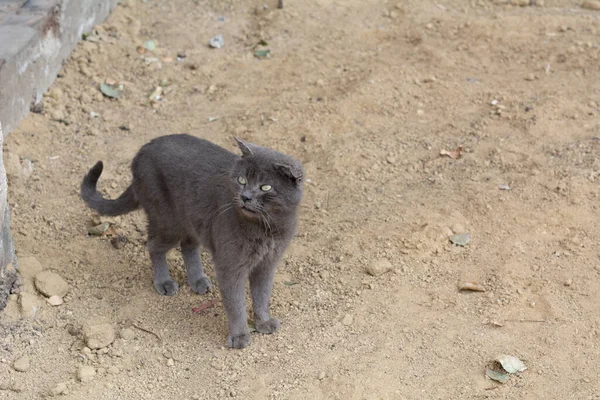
(366, 94)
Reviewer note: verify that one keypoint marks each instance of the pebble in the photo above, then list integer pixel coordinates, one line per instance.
(29, 304)
(29, 267)
(170, 362)
(217, 42)
(127, 334)
(568, 282)
(51, 284)
(348, 319)
(321, 375)
(21, 364)
(55, 300)
(58, 389)
(591, 5)
(99, 336)
(379, 267)
(457, 228)
(113, 370)
(86, 373)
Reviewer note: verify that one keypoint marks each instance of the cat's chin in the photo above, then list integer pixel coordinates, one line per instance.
(247, 213)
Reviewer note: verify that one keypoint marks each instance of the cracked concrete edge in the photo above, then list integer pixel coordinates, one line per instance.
(34, 43)
(34, 49)
(8, 273)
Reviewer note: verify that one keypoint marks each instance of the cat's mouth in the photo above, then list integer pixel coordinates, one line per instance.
(248, 211)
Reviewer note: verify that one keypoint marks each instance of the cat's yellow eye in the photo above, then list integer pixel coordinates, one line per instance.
(266, 188)
(242, 180)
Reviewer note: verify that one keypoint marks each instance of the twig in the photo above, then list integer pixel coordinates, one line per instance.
(148, 331)
(526, 320)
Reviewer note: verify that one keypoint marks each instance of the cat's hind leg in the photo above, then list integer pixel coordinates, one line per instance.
(163, 283)
(197, 279)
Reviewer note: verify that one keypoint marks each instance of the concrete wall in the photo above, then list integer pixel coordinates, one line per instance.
(8, 275)
(36, 36)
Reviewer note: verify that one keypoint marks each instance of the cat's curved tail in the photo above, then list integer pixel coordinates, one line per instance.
(125, 203)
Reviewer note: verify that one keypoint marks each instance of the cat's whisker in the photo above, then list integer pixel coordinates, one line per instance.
(220, 210)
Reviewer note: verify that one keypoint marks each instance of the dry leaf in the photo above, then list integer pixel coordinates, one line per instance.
(496, 375)
(511, 364)
(461, 239)
(205, 306)
(454, 154)
(99, 230)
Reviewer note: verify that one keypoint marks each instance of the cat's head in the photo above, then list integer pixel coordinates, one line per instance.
(266, 183)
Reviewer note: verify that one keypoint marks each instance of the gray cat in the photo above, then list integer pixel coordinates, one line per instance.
(242, 209)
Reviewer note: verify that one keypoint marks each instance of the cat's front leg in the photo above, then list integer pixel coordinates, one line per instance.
(232, 285)
(261, 287)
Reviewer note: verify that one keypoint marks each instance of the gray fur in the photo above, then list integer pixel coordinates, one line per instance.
(190, 191)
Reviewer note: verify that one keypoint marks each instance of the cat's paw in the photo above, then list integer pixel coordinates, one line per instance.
(202, 285)
(167, 287)
(239, 341)
(270, 326)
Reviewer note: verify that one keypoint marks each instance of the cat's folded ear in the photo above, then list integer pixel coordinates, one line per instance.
(244, 147)
(290, 171)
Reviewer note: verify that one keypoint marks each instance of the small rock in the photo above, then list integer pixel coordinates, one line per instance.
(379, 267)
(457, 228)
(58, 115)
(55, 300)
(348, 319)
(113, 370)
(521, 3)
(217, 42)
(447, 232)
(99, 336)
(127, 334)
(29, 304)
(26, 169)
(86, 350)
(86, 373)
(460, 239)
(170, 362)
(530, 77)
(591, 5)
(12, 164)
(321, 375)
(58, 389)
(29, 267)
(569, 282)
(17, 387)
(21, 364)
(51, 284)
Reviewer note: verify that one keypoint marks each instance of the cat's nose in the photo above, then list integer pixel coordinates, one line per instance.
(246, 198)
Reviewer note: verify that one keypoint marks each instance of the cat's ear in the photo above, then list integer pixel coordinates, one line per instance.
(290, 172)
(244, 147)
